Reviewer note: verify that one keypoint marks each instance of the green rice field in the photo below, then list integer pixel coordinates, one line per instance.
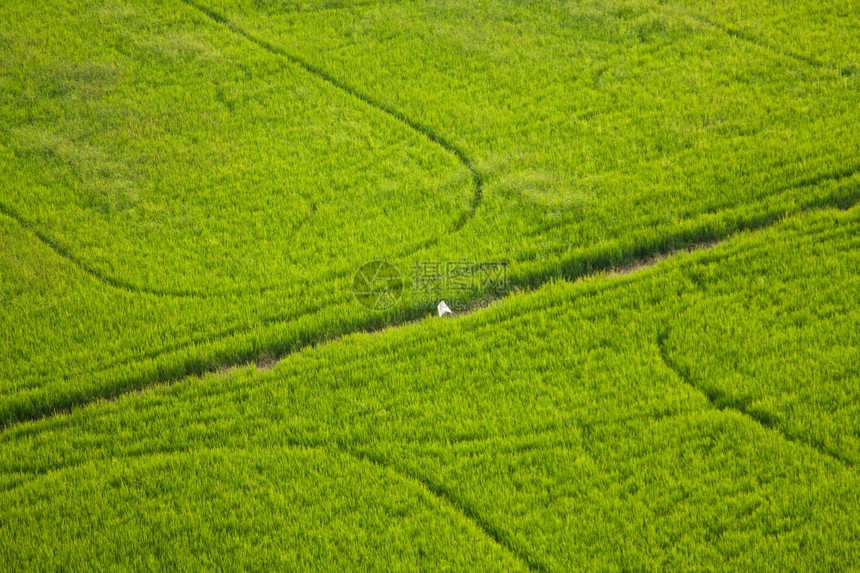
(225, 227)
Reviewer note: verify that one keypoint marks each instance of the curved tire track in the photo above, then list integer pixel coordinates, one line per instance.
(444, 494)
(723, 401)
(457, 152)
(103, 278)
(567, 271)
(437, 491)
(120, 284)
(749, 39)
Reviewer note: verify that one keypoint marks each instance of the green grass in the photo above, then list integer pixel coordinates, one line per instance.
(230, 204)
(220, 171)
(188, 187)
(574, 428)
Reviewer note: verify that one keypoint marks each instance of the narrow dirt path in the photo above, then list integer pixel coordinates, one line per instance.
(634, 263)
(631, 267)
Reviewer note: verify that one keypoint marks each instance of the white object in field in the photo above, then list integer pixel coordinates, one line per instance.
(443, 309)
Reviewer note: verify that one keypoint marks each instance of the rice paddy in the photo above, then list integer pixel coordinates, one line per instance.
(225, 227)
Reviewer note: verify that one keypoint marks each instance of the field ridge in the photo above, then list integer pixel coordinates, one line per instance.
(642, 260)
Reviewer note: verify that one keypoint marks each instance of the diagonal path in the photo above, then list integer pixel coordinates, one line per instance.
(636, 262)
(585, 265)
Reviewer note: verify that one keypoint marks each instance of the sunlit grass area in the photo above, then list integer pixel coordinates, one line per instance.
(224, 227)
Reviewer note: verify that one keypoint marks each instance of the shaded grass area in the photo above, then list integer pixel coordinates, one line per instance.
(583, 426)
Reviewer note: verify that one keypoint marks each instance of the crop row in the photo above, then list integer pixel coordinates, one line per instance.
(159, 148)
(696, 415)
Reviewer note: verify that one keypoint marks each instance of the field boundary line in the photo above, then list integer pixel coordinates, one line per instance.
(456, 151)
(651, 255)
(722, 402)
(66, 254)
(444, 494)
(749, 38)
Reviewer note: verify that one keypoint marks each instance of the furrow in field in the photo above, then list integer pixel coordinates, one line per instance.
(722, 401)
(103, 278)
(573, 270)
(445, 495)
(456, 151)
(439, 492)
(750, 39)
